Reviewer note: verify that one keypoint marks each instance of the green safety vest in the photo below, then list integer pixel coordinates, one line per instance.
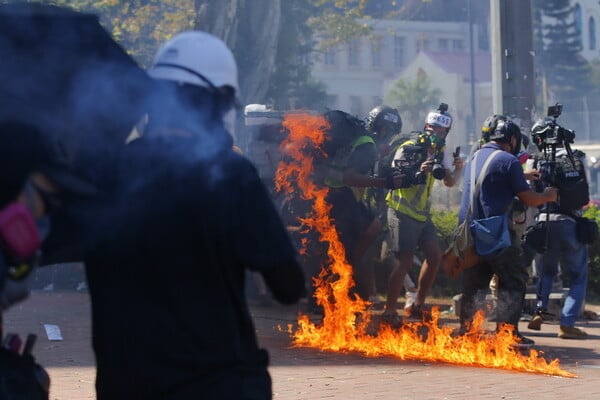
(413, 201)
(335, 169)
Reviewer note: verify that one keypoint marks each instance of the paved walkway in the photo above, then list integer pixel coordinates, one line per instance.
(303, 373)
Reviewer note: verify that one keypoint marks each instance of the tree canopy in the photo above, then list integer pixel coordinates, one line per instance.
(411, 97)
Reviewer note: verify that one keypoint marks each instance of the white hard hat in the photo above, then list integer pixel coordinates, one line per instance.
(195, 57)
(439, 118)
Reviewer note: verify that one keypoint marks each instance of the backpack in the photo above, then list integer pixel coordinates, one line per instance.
(344, 130)
(569, 178)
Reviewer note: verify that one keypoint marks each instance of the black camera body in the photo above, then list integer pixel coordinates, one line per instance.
(409, 166)
(548, 132)
(437, 170)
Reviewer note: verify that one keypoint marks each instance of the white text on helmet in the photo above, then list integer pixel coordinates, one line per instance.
(439, 119)
(391, 117)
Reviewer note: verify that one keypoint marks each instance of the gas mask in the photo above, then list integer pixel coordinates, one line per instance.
(436, 141)
(21, 236)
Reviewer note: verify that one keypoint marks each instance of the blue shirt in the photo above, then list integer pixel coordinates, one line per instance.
(503, 180)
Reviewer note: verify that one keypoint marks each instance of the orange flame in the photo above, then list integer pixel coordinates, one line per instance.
(345, 319)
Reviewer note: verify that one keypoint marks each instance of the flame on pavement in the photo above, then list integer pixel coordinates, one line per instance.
(346, 321)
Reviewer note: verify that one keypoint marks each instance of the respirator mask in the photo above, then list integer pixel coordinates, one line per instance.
(21, 236)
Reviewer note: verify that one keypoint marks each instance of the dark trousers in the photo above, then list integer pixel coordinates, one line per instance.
(512, 284)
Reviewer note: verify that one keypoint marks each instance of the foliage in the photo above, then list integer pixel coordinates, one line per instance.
(140, 26)
(594, 257)
(291, 83)
(445, 222)
(557, 43)
(412, 98)
(338, 21)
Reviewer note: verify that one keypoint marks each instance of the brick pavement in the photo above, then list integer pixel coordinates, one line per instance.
(302, 373)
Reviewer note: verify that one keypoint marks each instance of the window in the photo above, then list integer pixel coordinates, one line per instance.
(592, 33)
(458, 44)
(353, 50)
(376, 45)
(329, 58)
(355, 105)
(399, 45)
(423, 43)
(443, 44)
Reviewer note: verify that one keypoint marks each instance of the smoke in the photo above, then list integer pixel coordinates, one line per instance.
(63, 73)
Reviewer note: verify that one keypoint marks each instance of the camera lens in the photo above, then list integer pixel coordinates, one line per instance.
(438, 171)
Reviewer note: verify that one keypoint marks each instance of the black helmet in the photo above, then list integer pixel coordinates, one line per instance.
(504, 131)
(540, 130)
(489, 126)
(383, 121)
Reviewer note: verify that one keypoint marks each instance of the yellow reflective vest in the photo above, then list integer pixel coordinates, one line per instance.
(335, 168)
(413, 201)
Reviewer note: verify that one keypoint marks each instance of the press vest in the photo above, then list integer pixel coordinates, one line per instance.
(413, 201)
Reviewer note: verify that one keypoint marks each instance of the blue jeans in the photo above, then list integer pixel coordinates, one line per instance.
(563, 247)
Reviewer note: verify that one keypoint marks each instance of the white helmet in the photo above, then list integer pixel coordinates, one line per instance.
(196, 58)
(439, 118)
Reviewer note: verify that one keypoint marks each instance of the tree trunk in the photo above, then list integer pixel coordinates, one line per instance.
(251, 29)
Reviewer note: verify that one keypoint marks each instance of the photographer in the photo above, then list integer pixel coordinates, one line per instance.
(503, 180)
(421, 161)
(556, 236)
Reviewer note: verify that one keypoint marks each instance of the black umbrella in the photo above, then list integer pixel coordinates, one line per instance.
(62, 71)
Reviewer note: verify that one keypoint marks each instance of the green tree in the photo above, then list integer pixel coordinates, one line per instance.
(413, 99)
(291, 83)
(565, 75)
(140, 26)
(338, 21)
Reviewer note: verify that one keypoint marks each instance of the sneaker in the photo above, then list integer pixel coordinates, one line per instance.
(392, 319)
(538, 319)
(522, 341)
(570, 332)
(411, 297)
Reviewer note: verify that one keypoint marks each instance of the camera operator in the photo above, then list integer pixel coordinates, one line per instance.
(421, 161)
(557, 234)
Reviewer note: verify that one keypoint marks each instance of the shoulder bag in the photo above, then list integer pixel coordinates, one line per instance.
(462, 252)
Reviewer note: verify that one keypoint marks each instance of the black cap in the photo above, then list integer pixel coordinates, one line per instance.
(24, 150)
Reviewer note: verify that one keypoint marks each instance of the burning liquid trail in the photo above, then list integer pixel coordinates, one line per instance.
(346, 319)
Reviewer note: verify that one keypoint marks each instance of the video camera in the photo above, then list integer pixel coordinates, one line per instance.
(547, 132)
(409, 166)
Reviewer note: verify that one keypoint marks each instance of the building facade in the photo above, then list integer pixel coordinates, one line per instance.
(354, 73)
(587, 18)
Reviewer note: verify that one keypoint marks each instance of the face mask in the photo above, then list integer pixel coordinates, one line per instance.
(436, 142)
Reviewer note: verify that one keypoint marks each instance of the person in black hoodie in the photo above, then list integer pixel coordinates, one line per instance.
(167, 256)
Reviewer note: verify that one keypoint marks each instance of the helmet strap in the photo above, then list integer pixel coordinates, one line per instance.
(190, 71)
